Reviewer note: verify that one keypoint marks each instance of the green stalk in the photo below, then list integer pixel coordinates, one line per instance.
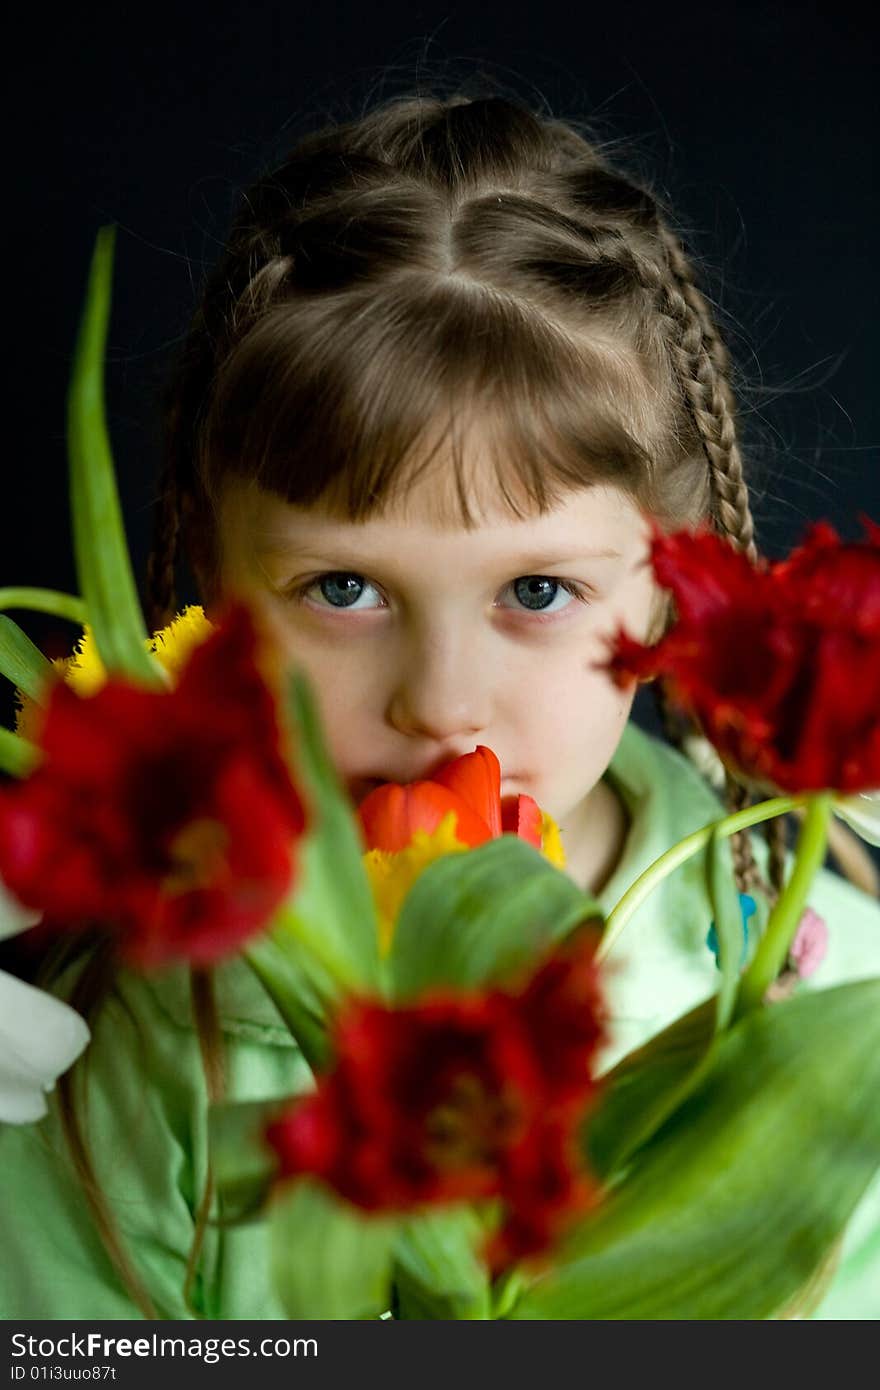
(100, 551)
(45, 601)
(684, 850)
(506, 1291)
(783, 923)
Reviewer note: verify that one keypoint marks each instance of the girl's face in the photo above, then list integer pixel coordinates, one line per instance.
(423, 639)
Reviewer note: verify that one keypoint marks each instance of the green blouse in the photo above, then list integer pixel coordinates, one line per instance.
(147, 1102)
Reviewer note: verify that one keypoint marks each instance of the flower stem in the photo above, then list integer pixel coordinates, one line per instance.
(783, 923)
(681, 852)
(45, 601)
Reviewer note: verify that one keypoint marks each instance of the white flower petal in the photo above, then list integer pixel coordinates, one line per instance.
(40, 1037)
(14, 916)
(21, 1102)
(862, 812)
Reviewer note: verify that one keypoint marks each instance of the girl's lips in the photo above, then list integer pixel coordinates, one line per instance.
(360, 787)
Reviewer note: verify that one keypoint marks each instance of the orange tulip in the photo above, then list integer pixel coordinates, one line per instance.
(407, 827)
(470, 787)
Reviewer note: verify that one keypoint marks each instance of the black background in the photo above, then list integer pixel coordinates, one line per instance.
(755, 120)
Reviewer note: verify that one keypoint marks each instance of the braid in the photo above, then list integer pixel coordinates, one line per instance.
(776, 835)
(161, 593)
(748, 876)
(702, 366)
(184, 398)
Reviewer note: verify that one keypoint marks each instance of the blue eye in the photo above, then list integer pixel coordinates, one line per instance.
(340, 588)
(537, 592)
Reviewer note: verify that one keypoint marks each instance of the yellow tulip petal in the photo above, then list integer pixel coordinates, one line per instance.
(173, 645)
(85, 671)
(551, 841)
(392, 875)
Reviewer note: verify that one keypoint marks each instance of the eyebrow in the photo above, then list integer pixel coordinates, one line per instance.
(544, 557)
(531, 562)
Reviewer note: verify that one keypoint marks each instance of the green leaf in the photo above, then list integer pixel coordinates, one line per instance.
(323, 943)
(17, 755)
(102, 561)
(21, 661)
(476, 916)
(299, 986)
(734, 1205)
(727, 915)
(328, 1260)
(437, 1272)
(648, 1085)
(243, 1164)
(645, 1087)
(331, 912)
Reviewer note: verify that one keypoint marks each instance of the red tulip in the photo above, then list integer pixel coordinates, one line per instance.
(461, 1097)
(169, 817)
(779, 663)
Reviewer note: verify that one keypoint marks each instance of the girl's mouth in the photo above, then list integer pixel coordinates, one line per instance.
(360, 787)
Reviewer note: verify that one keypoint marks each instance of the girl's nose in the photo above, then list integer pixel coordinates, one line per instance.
(441, 694)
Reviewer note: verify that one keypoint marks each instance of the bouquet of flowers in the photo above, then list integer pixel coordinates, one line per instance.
(459, 1156)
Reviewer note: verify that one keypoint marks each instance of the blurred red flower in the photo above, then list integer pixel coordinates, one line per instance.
(470, 786)
(168, 817)
(460, 1097)
(778, 662)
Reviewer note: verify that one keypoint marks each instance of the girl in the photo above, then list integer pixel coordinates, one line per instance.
(449, 360)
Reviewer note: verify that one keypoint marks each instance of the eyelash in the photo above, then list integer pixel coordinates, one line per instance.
(295, 593)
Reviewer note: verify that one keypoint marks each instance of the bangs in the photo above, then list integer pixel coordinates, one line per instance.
(347, 399)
